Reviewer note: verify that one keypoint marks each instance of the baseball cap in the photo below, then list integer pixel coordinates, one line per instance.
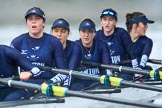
(36, 11)
(109, 12)
(61, 23)
(143, 19)
(87, 24)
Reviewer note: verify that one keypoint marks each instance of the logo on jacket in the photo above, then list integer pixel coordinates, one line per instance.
(88, 56)
(109, 43)
(24, 51)
(33, 58)
(36, 48)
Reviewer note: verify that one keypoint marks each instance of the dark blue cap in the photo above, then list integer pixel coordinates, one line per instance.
(109, 12)
(87, 25)
(61, 23)
(36, 11)
(140, 19)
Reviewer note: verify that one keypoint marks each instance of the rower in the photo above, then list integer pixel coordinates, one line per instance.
(117, 39)
(42, 49)
(92, 50)
(10, 60)
(136, 24)
(72, 50)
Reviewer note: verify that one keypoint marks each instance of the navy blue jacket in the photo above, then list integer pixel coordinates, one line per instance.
(142, 49)
(120, 46)
(98, 53)
(73, 54)
(10, 59)
(44, 51)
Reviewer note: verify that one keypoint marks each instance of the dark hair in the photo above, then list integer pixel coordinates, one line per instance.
(130, 17)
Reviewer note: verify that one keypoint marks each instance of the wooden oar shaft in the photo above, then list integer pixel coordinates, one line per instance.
(117, 68)
(76, 73)
(81, 94)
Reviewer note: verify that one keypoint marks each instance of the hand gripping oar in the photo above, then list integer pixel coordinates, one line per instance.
(62, 91)
(156, 74)
(106, 80)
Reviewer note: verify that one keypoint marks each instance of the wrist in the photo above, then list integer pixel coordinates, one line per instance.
(35, 71)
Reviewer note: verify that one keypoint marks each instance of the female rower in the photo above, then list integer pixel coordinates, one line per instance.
(72, 50)
(136, 24)
(10, 60)
(93, 51)
(41, 49)
(117, 39)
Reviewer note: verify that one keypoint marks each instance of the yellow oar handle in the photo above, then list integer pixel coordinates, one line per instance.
(56, 90)
(112, 81)
(156, 74)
